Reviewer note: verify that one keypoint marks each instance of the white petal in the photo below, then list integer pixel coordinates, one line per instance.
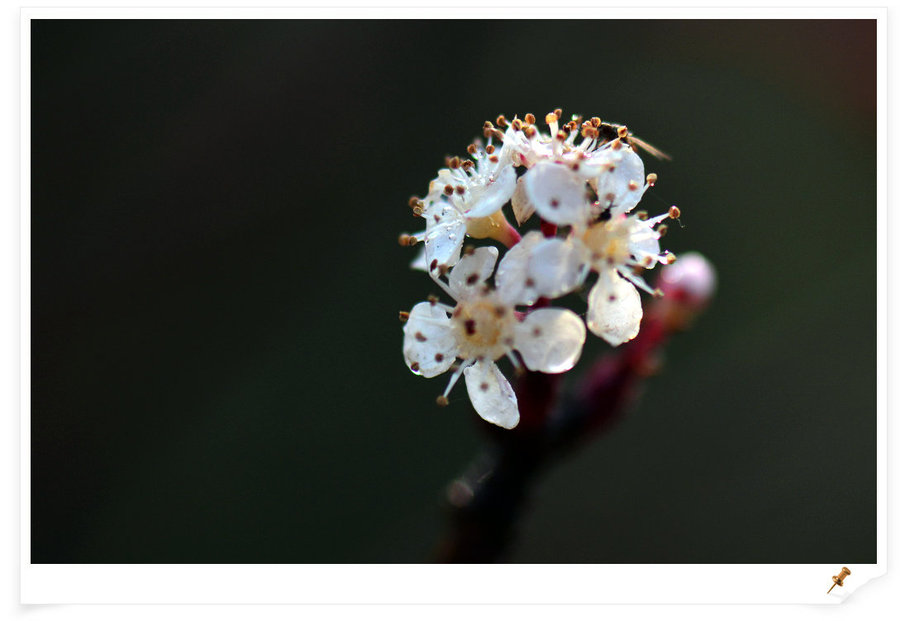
(522, 207)
(614, 309)
(512, 273)
(613, 186)
(420, 263)
(445, 232)
(489, 198)
(550, 339)
(557, 266)
(558, 194)
(468, 276)
(492, 396)
(643, 242)
(429, 346)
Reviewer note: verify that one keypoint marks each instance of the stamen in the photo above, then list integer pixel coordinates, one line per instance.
(456, 375)
(501, 121)
(529, 118)
(551, 120)
(674, 212)
(404, 316)
(651, 179)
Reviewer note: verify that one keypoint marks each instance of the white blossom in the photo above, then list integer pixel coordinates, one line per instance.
(616, 249)
(466, 198)
(483, 327)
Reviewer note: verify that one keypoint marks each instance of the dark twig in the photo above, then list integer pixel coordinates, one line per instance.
(485, 503)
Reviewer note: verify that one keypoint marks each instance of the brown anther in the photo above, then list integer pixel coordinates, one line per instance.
(642, 215)
(489, 149)
(460, 189)
(551, 118)
(432, 299)
(561, 135)
(501, 121)
(616, 144)
(571, 126)
(662, 229)
(497, 134)
(595, 121)
(530, 131)
(468, 250)
(442, 401)
(472, 149)
(468, 164)
(404, 316)
(529, 118)
(517, 124)
(632, 185)
(414, 366)
(488, 125)
(403, 240)
(622, 131)
(494, 159)
(454, 162)
(448, 189)
(421, 337)
(670, 258)
(651, 179)
(674, 212)
(558, 113)
(415, 201)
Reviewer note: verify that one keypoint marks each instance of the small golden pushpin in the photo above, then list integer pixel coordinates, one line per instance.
(839, 579)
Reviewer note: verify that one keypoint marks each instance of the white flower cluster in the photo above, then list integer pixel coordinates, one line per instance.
(583, 180)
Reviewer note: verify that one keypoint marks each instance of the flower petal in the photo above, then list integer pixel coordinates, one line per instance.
(643, 242)
(445, 232)
(420, 263)
(558, 194)
(614, 309)
(488, 198)
(621, 184)
(557, 266)
(491, 394)
(429, 346)
(468, 276)
(522, 207)
(512, 278)
(550, 339)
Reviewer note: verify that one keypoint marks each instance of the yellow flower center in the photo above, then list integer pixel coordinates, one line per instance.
(484, 328)
(608, 243)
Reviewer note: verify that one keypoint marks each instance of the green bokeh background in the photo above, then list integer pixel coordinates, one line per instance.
(216, 366)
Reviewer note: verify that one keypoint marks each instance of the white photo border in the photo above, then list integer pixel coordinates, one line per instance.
(441, 584)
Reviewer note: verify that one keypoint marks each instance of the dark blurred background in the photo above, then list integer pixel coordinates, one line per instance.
(216, 364)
